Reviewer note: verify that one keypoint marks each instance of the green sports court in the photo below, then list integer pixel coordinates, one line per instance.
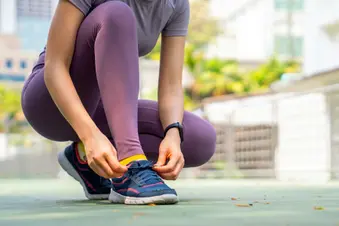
(203, 202)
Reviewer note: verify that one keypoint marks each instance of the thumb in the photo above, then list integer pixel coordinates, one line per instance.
(162, 158)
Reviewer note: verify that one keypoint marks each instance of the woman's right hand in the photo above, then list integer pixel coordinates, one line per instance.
(100, 153)
(102, 156)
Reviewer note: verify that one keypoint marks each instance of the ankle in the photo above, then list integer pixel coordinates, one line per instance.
(133, 158)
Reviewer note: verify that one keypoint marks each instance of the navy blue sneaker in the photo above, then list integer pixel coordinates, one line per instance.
(141, 185)
(95, 187)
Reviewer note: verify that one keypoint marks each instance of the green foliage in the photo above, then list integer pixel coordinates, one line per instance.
(9, 100)
(216, 77)
(153, 95)
(10, 105)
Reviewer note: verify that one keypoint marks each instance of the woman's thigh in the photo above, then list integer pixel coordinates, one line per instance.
(199, 135)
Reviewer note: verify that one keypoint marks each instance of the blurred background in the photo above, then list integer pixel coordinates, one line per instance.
(264, 72)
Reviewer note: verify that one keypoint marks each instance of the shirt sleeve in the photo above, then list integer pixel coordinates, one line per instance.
(83, 5)
(178, 22)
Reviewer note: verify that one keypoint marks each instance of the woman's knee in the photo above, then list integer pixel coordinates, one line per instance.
(114, 14)
(200, 141)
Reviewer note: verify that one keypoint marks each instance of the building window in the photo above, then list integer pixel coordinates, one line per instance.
(23, 64)
(34, 8)
(289, 46)
(296, 5)
(9, 63)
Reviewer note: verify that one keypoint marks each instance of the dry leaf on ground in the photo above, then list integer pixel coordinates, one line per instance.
(243, 205)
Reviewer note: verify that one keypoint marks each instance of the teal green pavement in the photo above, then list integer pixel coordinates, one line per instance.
(203, 202)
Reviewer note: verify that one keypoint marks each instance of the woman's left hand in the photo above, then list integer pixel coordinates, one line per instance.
(171, 160)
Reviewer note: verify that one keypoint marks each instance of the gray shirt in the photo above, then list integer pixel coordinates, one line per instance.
(154, 17)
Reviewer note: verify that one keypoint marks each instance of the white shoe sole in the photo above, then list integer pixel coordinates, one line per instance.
(67, 166)
(115, 197)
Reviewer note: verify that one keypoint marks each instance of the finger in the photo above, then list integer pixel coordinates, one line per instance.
(98, 170)
(161, 159)
(166, 176)
(103, 165)
(174, 159)
(115, 165)
(175, 173)
(178, 168)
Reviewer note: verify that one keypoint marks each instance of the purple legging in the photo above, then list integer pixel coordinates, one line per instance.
(105, 73)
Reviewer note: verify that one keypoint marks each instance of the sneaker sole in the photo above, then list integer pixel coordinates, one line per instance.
(116, 198)
(67, 166)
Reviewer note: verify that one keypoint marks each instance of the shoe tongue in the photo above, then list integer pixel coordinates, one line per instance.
(139, 164)
(139, 167)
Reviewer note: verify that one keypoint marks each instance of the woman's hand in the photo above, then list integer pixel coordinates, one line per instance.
(170, 151)
(102, 156)
(100, 153)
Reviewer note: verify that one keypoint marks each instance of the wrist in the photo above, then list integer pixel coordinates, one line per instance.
(86, 131)
(174, 134)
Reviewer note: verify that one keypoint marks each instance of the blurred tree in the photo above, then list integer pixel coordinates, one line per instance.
(216, 77)
(203, 29)
(10, 105)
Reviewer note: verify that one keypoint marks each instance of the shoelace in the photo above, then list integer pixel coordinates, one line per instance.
(143, 174)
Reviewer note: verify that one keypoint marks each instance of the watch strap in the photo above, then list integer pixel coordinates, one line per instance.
(178, 126)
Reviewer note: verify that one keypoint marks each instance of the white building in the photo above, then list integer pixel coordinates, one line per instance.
(15, 65)
(256, 29)
(28, 19)
(8, 22)
(321, 40)
(24, 27)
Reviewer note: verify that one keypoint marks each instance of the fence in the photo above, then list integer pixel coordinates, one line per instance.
(292, 136)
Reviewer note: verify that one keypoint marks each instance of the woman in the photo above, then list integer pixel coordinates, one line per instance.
(85, 87)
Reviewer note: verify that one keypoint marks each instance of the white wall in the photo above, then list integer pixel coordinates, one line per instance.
(243, 112)
(7, 16)
(304, 152)
(304, 146)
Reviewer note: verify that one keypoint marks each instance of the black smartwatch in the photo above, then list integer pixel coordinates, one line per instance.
(179, 127)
